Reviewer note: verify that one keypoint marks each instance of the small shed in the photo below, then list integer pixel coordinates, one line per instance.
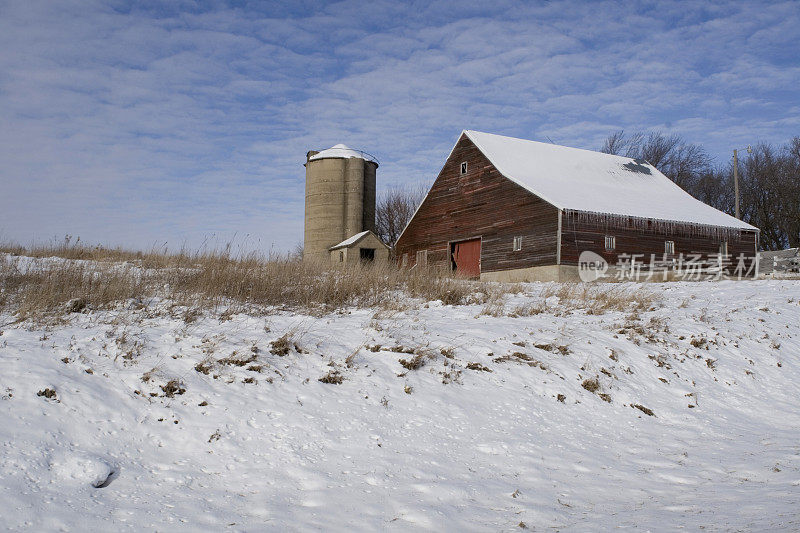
(364, 247)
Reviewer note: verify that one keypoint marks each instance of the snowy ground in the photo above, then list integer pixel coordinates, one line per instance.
(266, 445)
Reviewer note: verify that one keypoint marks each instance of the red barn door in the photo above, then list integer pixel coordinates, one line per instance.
(467, 257)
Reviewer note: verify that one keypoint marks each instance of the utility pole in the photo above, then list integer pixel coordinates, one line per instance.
(736, 181)
(736, 177)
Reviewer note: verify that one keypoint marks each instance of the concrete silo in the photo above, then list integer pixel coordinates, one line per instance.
(340, 198)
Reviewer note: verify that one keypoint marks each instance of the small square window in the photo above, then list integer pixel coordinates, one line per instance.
(669, 247)
(517, 244)
(366, 254)
(422, 257)
(723, 249)
(463, 168)
(611, 243)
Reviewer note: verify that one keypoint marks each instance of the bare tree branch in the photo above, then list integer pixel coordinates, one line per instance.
(394, 210)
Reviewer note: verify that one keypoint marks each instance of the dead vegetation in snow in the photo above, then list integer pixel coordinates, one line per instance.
(592, 298)
(70, 278)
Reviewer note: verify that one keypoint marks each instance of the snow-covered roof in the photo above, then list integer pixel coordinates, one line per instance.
(341, 151)
(582, 180)
(351, 240)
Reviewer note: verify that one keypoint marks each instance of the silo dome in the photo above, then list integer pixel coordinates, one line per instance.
(342, 151)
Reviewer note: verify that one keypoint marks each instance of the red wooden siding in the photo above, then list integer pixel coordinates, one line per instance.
(588, 234)
(484, 205)
(481, 204)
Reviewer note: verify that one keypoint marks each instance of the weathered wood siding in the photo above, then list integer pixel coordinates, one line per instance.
(577, 236)
(482, 203)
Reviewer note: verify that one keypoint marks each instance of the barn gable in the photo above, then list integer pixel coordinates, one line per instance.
(482, 204)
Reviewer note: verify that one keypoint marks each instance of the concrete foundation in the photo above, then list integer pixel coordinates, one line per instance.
(539, 273)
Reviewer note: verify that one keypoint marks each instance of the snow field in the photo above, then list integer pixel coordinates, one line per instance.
(158, 423)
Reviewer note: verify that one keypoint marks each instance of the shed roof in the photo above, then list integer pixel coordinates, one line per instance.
(355, 239)
(583, 180)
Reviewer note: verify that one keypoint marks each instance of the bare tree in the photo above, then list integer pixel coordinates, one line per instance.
(682, 162)
(772, 179)
(763, 198)
(793, 148)
(618, 144)
(791, 214)
(715, 188)
(296, 253)
(394, 210)
(769, 180)
(614, 143)
(685, 164)
(658, 149)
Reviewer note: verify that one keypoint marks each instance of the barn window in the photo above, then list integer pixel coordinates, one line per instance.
(463, 168)
(669, 247)
(422, 257)
(517, 244)
(723, 249)
(405, 260)
(611, 243)
(341, 257)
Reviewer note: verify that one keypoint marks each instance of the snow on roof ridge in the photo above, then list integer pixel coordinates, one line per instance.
(551, 145)
(595, 182)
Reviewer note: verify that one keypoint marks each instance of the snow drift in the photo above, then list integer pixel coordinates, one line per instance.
(527, 411)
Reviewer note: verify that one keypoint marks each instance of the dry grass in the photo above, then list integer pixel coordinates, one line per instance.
(70, 248)
(333, 377)
(70, 277)
(599, 298)
(521, 358)
(67, 286)
(415, 363)
(594, 298)
(591, 384)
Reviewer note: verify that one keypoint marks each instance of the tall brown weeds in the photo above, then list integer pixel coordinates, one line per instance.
(37, 285)
(45, 280)
(69, 276)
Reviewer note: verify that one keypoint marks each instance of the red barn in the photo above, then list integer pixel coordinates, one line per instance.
(511, 209)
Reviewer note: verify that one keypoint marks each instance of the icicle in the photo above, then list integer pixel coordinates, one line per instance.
(610, 220)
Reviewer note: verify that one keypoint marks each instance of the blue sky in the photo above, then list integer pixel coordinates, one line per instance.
(144, 123)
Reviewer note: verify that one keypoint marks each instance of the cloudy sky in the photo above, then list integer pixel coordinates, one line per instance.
(143, 123)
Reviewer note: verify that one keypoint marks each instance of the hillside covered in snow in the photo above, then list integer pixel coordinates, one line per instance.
(547, 408)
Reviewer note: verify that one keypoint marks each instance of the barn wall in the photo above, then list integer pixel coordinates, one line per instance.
(588, 234)
(483, 204)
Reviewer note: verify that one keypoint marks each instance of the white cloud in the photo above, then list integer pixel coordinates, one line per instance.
(133, 127)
